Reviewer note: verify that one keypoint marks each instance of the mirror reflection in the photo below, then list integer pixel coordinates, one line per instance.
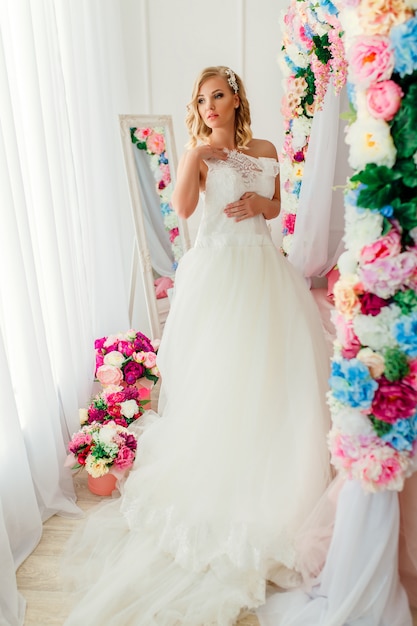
(161, 237)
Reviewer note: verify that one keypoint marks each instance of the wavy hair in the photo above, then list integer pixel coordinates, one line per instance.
(198, 130)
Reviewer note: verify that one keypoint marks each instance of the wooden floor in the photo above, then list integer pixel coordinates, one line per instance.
(38, 577)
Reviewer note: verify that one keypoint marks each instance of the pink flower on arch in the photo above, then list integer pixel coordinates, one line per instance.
(371, 59)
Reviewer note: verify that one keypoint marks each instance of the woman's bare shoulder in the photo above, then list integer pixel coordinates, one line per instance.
(262, 148)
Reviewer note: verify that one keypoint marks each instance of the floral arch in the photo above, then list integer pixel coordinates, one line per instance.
(370, 45)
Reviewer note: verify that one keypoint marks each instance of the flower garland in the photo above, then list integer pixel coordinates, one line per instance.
(311, 58)
(373, 384)
(153, 141)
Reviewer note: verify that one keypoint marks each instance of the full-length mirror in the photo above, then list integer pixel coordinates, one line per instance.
(161, 237)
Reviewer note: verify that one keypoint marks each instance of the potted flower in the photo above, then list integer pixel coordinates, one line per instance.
(126, 359)
(123, 405)
(106, 450)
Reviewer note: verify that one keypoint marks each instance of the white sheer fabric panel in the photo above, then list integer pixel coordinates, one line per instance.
(317, 242)
(159, 244)
(359, 584)
(65, 247)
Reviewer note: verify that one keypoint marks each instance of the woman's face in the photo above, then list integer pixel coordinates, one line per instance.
(216, 102)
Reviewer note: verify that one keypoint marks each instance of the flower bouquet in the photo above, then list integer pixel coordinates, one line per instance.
(102, 449)
(125, 358)
(122, 405)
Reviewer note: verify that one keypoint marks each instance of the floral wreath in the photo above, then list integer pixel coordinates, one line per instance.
(312, 57)
(373, 384)
(153, 141)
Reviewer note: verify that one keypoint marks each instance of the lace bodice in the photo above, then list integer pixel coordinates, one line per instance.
(226, 182)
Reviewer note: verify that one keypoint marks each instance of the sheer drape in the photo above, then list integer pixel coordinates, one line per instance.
(319, 226)
(65, 246)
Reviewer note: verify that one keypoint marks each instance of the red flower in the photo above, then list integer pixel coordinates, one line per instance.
(394, 400)
(372, 304)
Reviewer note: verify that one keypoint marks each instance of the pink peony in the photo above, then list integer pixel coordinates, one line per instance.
(350, 342)
(109, 375)
(173, 234)
(150, 359)
(125, 458)
(288, 222)
(411, 378)
(384, 99)
(389, 245)
(394, 400)
(156, 143)
(386, 275)
(143, 133)
(371, 59)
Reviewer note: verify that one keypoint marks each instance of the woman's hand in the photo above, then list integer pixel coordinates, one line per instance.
(249, 205)
(206, 151)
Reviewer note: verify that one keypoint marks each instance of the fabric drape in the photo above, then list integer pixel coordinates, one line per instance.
(317, 242)
(66, 241)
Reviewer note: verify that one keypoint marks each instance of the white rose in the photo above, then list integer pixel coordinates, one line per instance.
(373, 361)
(129, 408)
(352, 422)
(114, 358)
(83, 413)
(361, 228)
(374, 331)
(370, 141)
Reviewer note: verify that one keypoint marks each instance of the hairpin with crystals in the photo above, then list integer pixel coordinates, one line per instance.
(232, 79)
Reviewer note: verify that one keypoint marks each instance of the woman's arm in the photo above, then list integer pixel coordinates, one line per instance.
(189, 178)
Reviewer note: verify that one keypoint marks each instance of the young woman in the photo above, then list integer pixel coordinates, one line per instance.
(225, 477)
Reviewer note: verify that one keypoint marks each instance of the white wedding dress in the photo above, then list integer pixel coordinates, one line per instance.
(226, 475)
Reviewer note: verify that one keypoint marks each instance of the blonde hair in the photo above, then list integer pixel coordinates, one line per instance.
(197, 129)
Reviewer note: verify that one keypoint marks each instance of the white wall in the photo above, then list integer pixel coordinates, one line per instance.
(168, 42)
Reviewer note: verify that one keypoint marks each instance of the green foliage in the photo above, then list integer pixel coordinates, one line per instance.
(380, 188)
(396, 364)
(381, 428)
(322, 48)
(404, 125)
(406, 300)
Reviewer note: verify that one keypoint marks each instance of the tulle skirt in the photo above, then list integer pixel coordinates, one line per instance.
(232, 464)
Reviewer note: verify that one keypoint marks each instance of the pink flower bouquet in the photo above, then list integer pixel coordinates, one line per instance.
(102, 448)
(122, 405)
(124, 358)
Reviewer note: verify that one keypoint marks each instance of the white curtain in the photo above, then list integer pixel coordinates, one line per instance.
(319, 225)
(65, 247)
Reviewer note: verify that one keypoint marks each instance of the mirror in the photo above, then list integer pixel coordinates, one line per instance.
(161, 237)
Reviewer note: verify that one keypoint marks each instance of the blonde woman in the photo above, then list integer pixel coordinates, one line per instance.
(226, 475)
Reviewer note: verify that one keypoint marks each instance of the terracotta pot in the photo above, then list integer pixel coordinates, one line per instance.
(102, 485)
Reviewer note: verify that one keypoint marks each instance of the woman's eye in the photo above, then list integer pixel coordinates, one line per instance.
(200, 101)
(218, 95)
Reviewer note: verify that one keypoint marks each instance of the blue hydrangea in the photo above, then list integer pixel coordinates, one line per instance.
(308, 31)
(404, 42)
(163, 158)
(165, 208)
(352, 384)
(351, 93)
(294, 69)
(387, 210)
(297, 187)
(405, 333)
(329, 7)
(402, 434)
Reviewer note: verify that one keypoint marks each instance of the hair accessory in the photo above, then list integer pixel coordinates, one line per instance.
(232, 79)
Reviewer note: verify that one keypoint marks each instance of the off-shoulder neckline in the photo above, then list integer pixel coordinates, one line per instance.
(249, 156)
